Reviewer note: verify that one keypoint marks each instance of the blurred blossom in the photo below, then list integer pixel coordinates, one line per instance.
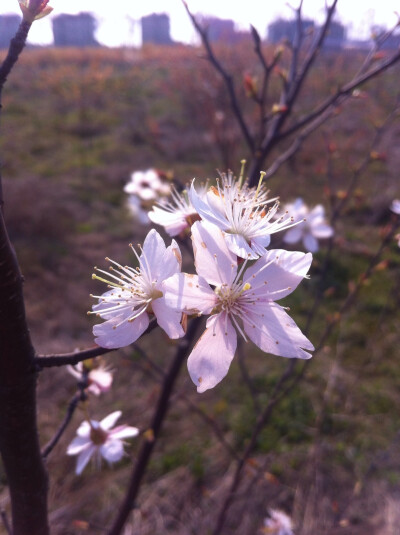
(139, 213)
(136, 294)
(313, 227)
(99, 440)
(99, 378)
(241, 212)
(395, 206)
(176, 215)
(278, 523)
(237, 297)
(147, 185)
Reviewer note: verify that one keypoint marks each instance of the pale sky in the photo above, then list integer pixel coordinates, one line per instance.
(118, 20)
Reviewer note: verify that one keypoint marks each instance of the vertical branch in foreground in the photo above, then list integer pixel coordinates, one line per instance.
(153, 432)
(19, 444)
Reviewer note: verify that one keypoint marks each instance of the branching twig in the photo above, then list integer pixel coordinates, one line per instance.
(152, 435)
(227, 79)
(192, 406)
(64, 359)
(79, 396)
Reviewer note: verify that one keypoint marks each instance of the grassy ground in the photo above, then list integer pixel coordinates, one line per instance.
(75, 124)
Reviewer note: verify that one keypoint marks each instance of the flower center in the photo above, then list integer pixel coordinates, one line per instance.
(97, 435)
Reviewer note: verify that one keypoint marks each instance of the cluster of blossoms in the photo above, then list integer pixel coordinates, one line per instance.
(237, 284)
(144, 188)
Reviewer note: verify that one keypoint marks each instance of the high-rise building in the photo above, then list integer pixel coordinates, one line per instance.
(8, 27)
(155, 29)
(74, 30)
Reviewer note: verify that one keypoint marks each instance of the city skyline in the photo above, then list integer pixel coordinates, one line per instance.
(121, 24)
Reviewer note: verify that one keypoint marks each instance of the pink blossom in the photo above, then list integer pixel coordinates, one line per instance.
(243, 298)
(136, 293)
(99, 440)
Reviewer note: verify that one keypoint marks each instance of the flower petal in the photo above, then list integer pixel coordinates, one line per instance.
(112, 450)
(174, 223)
(294, 234)
(124, 431)
(109, 421)
(209, 361)
(189, 294)
(84, 429)
(169, 320)
(276, 332)
(84, 458)
(238, 245)
(214, 261)
(171, 261)
(77, 445)
(278, 273)
(321, 230)
(205, 211)
(310, 243)
(153, 254)
(113, 334)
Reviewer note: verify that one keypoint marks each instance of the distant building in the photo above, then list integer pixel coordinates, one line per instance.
(74, 30)
(282, 29)
(335, 37)
(8, 27)
(155, 29)
(223, 31)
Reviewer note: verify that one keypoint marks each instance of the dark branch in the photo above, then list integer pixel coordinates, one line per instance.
(155, 427)
(50, 361)
(227, 79)
(79, 396)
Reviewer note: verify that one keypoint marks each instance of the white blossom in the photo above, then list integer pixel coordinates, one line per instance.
(242, 213)
(136, 294)
(311, 228)
(98, 440)
(278, 523)
(237, 297)
(99, 378)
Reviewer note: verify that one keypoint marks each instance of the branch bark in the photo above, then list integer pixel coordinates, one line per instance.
(19, 444)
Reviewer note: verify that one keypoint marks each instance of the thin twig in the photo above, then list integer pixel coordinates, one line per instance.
(64, 359)
(152, 435)
(192, 406)
(79, 396)
(226, 77)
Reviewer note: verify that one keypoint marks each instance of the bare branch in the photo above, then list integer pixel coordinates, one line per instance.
(79, 396)
(227, 79)
(344, 91)
(63, 359)
(151, 437)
